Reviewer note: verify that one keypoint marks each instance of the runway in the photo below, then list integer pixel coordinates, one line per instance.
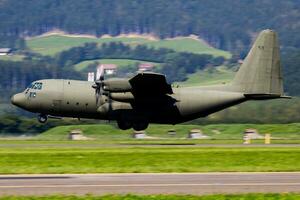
(186, 183)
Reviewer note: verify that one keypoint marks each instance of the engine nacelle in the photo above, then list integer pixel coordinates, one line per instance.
(107, 107)
(122, 97)
(117, 85)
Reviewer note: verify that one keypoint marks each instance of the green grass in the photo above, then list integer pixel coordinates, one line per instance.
(146, 159)
(51, 45)
(285, 196)
(189, 45)
(209, 77)
(215, 131)
(119, 62)
(12, 58)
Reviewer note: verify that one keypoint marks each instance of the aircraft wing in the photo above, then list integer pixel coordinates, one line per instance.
(150, 84)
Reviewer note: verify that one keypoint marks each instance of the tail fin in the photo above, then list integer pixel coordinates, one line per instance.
(260, 74)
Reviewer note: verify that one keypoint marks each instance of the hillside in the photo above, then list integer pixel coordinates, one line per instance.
(53, 44)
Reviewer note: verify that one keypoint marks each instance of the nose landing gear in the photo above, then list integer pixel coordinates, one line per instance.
(42, 118)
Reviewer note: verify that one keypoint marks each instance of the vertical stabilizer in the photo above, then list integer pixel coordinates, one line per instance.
(261, 71)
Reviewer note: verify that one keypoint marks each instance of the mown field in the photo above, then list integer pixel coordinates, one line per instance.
(129, 159)
(51, 45)
(286, 196)
(12, 58)
(208, 76)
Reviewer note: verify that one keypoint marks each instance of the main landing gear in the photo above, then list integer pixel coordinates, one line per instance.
(140, 126)
(42, 118)
(137, 126)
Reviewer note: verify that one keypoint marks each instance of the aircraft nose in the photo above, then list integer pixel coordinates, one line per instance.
(18, 99)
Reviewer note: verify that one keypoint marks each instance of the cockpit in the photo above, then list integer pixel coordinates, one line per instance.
(32, 88)
(35, 86)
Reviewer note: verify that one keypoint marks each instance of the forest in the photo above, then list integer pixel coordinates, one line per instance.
(229, 25)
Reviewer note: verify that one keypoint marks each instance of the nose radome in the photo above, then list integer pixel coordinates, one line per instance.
(18, 99)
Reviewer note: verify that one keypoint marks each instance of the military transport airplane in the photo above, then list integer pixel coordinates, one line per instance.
(148, 98)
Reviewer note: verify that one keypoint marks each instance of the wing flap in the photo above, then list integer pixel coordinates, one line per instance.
(150, 84)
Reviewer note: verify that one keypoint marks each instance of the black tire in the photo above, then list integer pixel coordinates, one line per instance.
(124, 125)
(140, 126)
(42, 118)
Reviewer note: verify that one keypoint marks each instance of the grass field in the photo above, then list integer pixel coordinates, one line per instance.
(119, 62)
(12, 58)
(285, 196)
(124, 159)
(51, 45)
(218, 75)
(215, 131)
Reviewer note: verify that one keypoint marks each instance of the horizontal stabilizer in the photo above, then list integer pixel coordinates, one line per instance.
(265, 96)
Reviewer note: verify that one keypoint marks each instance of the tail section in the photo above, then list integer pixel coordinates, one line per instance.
(260, 74)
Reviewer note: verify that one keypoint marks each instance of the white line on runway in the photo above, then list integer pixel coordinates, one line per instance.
(152, 185)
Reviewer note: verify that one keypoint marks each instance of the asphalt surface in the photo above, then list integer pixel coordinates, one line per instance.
(190, 183)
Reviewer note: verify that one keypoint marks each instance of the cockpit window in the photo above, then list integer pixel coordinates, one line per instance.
(40, 86)
(34, 86)
(28, 88)
(37, 86)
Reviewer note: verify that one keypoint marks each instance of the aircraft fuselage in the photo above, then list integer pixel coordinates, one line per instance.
(72, 98)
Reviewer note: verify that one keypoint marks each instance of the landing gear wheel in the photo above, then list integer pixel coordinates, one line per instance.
(124, 125)
(140, 126)
(42, 118)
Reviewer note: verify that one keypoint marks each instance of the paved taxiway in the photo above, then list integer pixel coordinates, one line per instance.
(189, 183)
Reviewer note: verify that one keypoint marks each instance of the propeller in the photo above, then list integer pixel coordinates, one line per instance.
(98, 86)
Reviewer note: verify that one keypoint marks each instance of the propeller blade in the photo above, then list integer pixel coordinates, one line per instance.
(98, 91)
(98, 86)
(100, 72)
(109, 101)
